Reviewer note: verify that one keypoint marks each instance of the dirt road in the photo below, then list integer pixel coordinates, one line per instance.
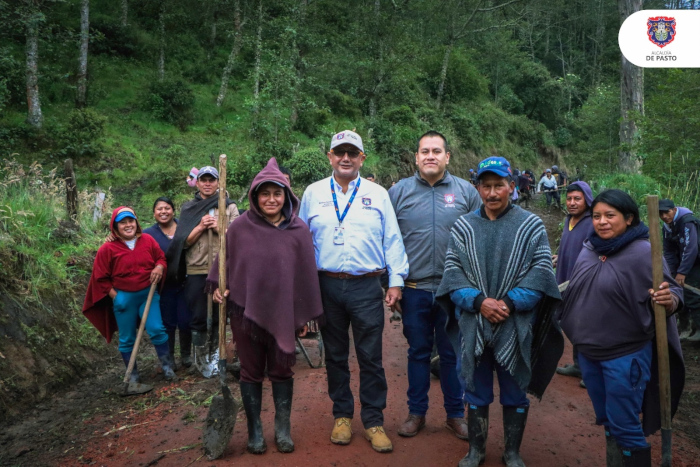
(92, 425)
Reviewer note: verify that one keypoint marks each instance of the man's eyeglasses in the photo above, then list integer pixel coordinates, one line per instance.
(351, 154)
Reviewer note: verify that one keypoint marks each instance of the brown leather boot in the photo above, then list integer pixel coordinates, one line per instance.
(412, 425)
(458, 426)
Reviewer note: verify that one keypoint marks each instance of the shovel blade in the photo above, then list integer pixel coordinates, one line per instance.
(221, 420)
(135, 389)
(206, 364)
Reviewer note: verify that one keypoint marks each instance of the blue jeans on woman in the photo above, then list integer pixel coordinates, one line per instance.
(128, 308)
(616, 388)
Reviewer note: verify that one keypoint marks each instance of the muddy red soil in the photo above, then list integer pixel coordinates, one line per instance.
(92, 425)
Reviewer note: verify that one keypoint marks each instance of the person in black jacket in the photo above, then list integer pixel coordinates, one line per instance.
(681, 253)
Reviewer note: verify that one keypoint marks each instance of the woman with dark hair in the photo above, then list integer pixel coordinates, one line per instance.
(608, 315)
(274, 292)
(173, 306)
(125, 267)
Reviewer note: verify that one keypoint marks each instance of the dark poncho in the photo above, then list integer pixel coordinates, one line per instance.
(190, 215)
(271, 271)
(607, 313)
(495, 257)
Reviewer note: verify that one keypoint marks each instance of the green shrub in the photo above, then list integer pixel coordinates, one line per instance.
(308, 165)
(171, 101)
(83, 134)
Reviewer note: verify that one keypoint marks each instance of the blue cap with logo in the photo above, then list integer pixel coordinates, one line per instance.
(498, 165)
(208, 170)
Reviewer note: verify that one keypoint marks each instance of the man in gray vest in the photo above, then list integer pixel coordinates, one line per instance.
(426, 206)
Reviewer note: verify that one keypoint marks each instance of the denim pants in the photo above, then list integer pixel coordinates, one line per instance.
(616, 388)
(511, 394)
(357, 303)
(424, 322)
(128, 308)
(173, 309)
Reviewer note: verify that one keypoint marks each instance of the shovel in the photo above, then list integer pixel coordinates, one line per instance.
(223, 410)
(205, 358)
(134, 389)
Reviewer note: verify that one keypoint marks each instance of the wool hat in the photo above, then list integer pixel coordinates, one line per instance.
(498, 165)
(347, 137)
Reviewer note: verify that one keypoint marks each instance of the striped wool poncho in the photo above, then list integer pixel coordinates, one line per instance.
(494, 257)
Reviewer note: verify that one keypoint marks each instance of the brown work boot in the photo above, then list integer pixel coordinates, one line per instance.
(380, 441)
(342, 433)
(412, 425)
(458, 426)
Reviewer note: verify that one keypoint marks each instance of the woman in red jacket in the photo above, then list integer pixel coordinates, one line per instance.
(125, 267)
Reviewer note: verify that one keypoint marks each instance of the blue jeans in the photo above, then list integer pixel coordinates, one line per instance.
(616, 388)
(424, 322)
(511, 394)
(128, 308)
(173, 309)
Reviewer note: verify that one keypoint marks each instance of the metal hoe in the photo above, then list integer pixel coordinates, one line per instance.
(221, 419)
(134, 389)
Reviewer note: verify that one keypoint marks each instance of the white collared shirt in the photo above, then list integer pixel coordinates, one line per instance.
(372, 239)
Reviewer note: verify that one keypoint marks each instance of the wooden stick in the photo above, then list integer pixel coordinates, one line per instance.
(661, 336)
(223, 223)
(132, 360)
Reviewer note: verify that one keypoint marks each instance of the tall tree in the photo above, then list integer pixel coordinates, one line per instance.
(258, 53)
(125, 12)
(161, 42)
(631, 100)
(81, 99)
(32, 20)
(237, 42)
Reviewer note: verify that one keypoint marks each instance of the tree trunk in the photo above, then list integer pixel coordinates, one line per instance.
(258, 52)
(161, 55)
(34, 116)
(443, 73)
(81, 99)
(631, 100)
(212, 32)
(125, 12)
(71, 191)
(232, 56)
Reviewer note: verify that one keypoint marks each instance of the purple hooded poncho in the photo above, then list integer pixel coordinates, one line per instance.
(571, 241)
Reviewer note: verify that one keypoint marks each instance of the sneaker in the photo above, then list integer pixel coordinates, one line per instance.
(342, 432)
(694, 338)
(380, 441)
(569, 370)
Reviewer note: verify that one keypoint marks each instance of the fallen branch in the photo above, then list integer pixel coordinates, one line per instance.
(155, 461)
(188, 465)
(183, 448)
(125, 427)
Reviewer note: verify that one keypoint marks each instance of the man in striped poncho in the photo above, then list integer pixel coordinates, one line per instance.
(500, 282)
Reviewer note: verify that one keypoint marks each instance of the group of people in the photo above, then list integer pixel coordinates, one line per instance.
(471, 272)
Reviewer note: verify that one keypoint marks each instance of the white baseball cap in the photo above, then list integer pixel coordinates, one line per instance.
(347, 137)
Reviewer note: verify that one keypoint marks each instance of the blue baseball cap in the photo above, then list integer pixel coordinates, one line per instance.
(498, 165)
(123, 215)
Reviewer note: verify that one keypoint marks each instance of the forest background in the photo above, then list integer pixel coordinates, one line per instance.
(138, 92)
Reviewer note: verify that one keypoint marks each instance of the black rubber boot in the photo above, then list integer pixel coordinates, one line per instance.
(613, 458)
(283, 393)
(478, 429)
(639, 457)
(171, 345)
(166, 361)
(514, 421)
(186, 348)
(252, 402)
(134, 378)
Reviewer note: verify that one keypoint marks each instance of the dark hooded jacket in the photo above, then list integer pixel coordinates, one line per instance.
(271, 271)
(116, 266)
(572, 240)
(681, 243)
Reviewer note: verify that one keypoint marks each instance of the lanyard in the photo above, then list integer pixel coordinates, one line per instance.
(335, 200)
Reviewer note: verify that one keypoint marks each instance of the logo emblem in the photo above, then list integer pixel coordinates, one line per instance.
(661, 30)
(340, 136)
(450, 199)
(367, 201)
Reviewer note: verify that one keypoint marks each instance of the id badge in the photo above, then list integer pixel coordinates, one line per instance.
(338, 236)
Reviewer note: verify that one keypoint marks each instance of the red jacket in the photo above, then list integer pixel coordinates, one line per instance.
(116, 266)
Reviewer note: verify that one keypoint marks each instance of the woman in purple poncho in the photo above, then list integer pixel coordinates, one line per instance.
(607, 313)
(272, 292)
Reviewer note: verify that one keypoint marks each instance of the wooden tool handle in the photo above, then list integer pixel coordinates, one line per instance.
(223, 223)
(660, 312)
(132, 360)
